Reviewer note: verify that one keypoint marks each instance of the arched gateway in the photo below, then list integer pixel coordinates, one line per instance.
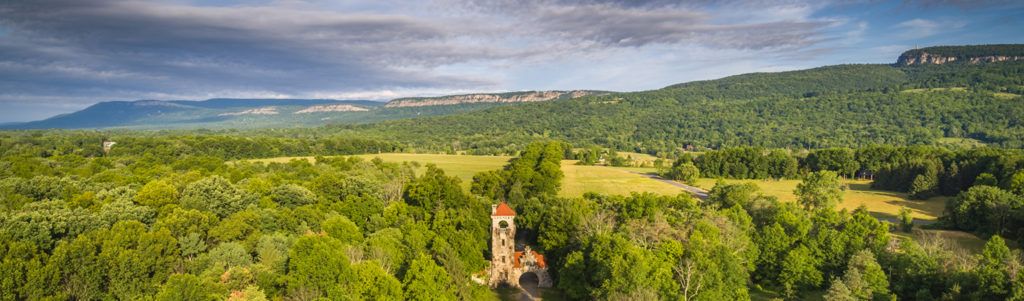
(507, 264)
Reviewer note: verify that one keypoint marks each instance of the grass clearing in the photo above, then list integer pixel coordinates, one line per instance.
(970, 242)
(645, 170)
(960, 89)
(461, 166)
(1005, 95)
(880, 203)
(580, 179)
(960, 143)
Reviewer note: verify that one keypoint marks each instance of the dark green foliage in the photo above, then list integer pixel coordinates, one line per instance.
(819, 190)
(986, 179)
(343, 229)
(983, 208)
(319, 268)
(183, 287)
(838, 106)
(291, 196)
(993, 281)
(536, 172)
(906, 219)
(840, 160)
(747, 163)
(45, 223)
(425, 280)
(725, 195)
(682, 171)
(838, 292)
(217, 195)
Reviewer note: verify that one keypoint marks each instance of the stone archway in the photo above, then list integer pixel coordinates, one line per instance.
(529, 282)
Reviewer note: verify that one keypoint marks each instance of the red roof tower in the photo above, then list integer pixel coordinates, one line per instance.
(502, 210)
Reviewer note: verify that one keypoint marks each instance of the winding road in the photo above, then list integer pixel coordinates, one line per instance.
(697, 192)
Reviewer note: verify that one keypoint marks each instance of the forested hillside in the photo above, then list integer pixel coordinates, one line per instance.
(171, 220)
(848, 106)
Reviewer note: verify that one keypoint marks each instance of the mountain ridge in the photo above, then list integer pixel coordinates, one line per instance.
(972, 54)
(508, 97)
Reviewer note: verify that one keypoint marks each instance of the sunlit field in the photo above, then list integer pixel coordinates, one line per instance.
(881, 203)
(580, 179)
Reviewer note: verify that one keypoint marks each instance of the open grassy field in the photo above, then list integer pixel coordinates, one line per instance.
(881, 203)
(580, 179)
(1005, 95)
(460, 166)
(959, 89)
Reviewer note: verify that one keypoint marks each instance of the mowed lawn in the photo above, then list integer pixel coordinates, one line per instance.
(879, 202)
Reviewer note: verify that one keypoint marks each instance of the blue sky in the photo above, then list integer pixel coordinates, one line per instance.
(58, 56)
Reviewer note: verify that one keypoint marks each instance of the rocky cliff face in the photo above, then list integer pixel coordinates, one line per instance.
(331, 108)
(483, 98)
(927, 58)
(257, 111)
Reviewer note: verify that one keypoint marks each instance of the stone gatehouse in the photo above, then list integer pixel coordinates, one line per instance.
(507, 264)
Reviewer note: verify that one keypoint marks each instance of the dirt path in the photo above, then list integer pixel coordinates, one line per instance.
(697, 192)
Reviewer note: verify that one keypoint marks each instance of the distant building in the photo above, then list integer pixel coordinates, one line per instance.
(107, 145)
(508, 265)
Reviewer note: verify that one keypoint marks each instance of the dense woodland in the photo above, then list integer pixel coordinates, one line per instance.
(148, 226)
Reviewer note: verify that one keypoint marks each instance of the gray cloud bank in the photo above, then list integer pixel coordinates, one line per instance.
(95, 50)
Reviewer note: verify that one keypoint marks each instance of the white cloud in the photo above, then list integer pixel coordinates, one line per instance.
(919, 28)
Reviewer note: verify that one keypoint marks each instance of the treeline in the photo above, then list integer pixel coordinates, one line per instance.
(921, 171)
(90, 144)
(536, 172)
(746, 163)
(341, 228)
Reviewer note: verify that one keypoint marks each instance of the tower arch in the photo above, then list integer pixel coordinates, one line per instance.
(507, 264)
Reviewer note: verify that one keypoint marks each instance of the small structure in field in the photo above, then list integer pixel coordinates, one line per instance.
(107, 145)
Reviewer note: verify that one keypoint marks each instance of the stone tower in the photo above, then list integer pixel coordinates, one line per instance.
(503, 233)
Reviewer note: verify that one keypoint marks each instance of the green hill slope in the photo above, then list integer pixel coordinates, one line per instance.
(845, 106)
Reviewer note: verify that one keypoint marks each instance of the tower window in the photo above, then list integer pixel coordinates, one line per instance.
(502, 242)
(502, 259)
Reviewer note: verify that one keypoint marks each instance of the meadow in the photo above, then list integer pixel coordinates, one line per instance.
(461, 166)
(580, 179)
(884, 204)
